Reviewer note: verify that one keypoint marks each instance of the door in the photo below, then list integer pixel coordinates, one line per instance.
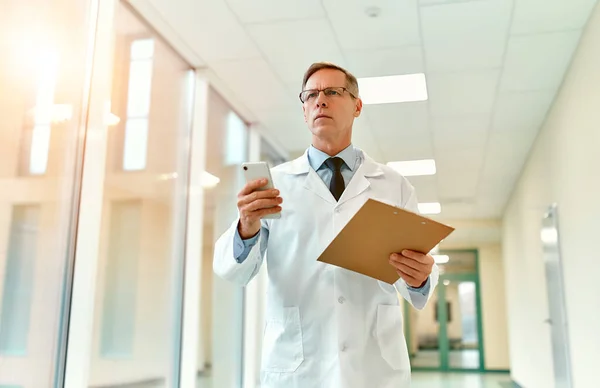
(447, 335)
(556, 299)
(460, 323)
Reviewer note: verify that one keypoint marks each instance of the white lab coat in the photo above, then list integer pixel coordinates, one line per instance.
(326, 327)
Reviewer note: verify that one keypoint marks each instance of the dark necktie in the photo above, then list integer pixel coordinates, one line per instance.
(336, 186)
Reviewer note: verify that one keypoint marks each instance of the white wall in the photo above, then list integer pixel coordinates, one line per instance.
(493, 306)
(564, 167)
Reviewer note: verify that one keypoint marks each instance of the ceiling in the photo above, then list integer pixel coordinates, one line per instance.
(492, 67)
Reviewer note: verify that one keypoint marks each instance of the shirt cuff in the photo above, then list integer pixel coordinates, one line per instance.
(241, 246)
(423, 290)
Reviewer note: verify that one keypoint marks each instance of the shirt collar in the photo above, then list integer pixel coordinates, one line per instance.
(316, 157)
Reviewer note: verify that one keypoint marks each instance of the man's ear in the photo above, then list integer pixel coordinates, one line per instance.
(359, 106)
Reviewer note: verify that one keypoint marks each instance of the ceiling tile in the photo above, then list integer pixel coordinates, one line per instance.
(465, 136)
(363, 138)
(270, 38)
(465, 35)
(455, 124)
(459, 94)
(262, 90)
(475, 54)
(209, 27)
(397, 147)
(526, 55)
(271, 10)
(453, 133)
(457, 211)
(457, 186)
(459, 161)
(384, 62)
(425, 187)
(465, 21)
(403, 119)
(521, 111)
(507, 152)
(396, 26)
(487, 210)
(459, 236)
(535, 16)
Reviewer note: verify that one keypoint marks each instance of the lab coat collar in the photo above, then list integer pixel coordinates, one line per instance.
(358, 184)
(369, 168)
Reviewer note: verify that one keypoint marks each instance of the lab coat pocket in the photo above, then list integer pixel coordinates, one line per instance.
(390, 337)
(282, 343)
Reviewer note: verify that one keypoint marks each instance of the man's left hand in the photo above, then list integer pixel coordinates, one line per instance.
(413, 267)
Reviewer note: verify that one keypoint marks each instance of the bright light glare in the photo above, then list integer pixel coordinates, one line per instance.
(208, 180)
(414, 167)
(392, 89)
(45, 110)
(430, 208)
(441, 259)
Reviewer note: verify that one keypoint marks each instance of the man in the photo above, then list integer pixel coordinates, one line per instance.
(325, 326)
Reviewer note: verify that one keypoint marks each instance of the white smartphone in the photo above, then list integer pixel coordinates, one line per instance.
(260, 170)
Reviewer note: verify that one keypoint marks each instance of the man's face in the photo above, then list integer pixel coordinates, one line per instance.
(331, 115)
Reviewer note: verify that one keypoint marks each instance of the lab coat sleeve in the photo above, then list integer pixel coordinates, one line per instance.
(225, 264)
(418, 298)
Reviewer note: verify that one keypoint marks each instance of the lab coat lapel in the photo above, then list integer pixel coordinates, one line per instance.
(315, 184)
(360, 182)
(312, 180)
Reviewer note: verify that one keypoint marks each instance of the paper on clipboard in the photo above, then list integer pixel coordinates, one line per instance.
(376, 231)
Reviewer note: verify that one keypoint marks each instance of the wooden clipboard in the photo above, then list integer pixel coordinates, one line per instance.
(378, 230)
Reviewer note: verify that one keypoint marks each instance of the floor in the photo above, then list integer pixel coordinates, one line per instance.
(438, 380)
(459, 359)
(460, 380)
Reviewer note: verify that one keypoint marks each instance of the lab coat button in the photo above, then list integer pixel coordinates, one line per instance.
(341, 299)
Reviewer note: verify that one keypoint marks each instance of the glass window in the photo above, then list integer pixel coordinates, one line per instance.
(141, 54)
(43, 77)
(18, 281)
(137, 315)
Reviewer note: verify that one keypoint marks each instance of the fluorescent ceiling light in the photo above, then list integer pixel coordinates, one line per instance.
(430, 208)
(414, 167)
(441, 259)
(395, 88)
(208, 180)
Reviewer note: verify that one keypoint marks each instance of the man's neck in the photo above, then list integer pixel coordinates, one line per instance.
(330, 148)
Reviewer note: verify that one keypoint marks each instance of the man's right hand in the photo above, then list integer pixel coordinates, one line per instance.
(254, 205)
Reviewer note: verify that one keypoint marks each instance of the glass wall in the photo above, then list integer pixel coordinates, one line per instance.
(221, 303)
(137, 314)
(42, 78)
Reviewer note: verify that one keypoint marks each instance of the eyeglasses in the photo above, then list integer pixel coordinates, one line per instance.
(333, 92)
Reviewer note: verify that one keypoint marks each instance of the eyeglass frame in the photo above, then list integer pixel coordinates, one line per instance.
(323, 90)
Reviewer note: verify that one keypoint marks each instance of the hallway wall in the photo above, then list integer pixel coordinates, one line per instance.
(562, 168)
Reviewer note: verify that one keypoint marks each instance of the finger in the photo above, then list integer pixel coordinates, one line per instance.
(410, 280)
(253, 185)
(409, 270)
(414, 264)
(263, 204)
(418, 256)
(255, 195)
(263, 212)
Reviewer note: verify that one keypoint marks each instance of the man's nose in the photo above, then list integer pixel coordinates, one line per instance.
(321, 100)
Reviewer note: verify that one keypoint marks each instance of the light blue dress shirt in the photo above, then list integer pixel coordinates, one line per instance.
(316, 159)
